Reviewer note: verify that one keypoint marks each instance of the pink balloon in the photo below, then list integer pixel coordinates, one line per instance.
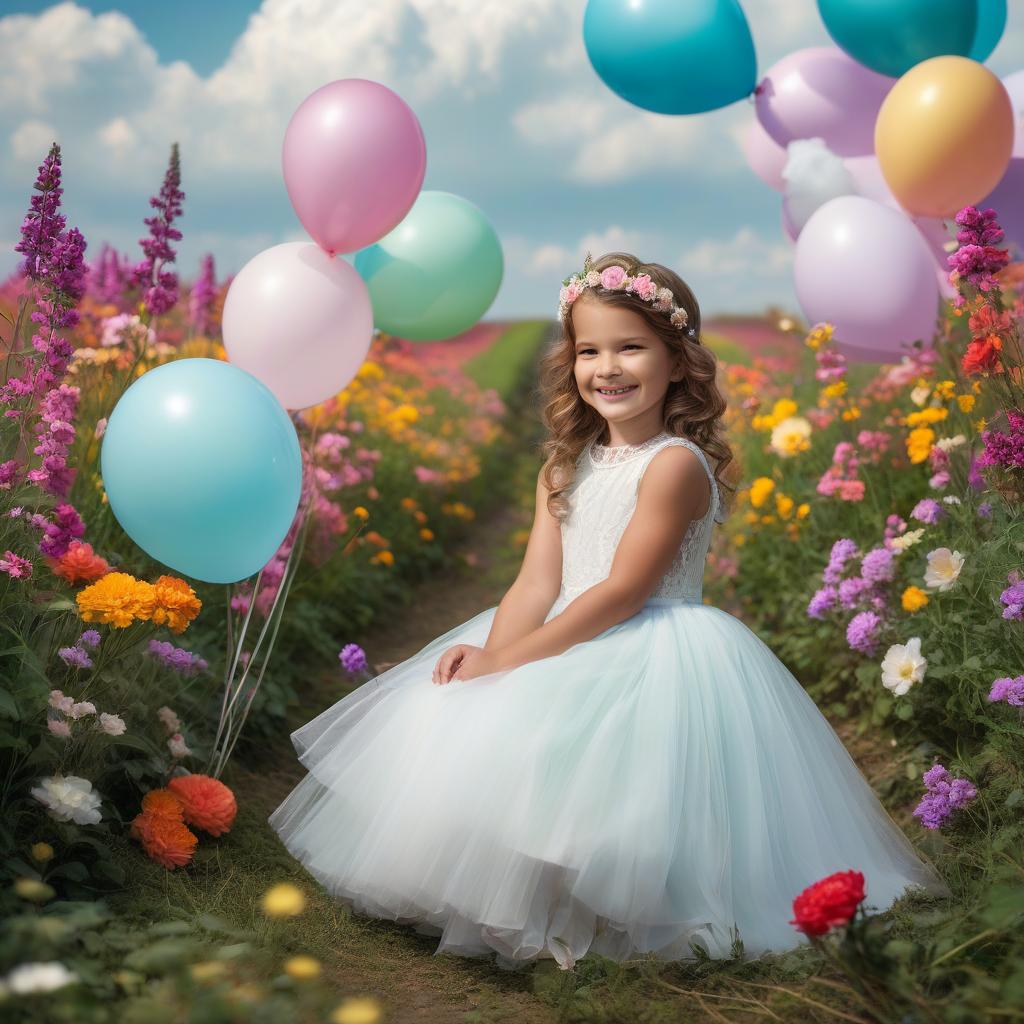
(822, 92)
(354, 159)
(299, 320)
(765, 156)
(865, 268)
(789, 229)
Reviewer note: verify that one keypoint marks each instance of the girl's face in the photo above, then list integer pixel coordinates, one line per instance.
(615, 348)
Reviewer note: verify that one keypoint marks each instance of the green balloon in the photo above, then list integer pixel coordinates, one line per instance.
(435, 274)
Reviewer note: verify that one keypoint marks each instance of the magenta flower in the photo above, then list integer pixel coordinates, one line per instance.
(185, 662)
(862, 632)
(58, 535)
(1008, 689)
(352, 658)
(1013, 597)
(202, 296)
(109, 276)
(978, 259)
(15, 567)
(44, 222)
(160, 286)
(1005, 449)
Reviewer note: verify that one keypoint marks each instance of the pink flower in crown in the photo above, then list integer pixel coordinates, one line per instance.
(573, 292)
(613, 278)
(644, 287)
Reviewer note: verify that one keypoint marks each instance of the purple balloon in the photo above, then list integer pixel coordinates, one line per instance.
(865, 268)
(354, 159)
(765, 156)
(1007, 199)
(822, 92)
(1014, 85)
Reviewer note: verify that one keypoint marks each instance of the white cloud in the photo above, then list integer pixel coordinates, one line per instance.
(31, 141)
(745, 254)
(551, 259)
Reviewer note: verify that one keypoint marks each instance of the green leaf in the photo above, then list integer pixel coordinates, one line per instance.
(904, 711)
(973, 663)
(8, 706)
(1015, 798)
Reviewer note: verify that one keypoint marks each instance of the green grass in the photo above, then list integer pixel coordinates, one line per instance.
(507, 361)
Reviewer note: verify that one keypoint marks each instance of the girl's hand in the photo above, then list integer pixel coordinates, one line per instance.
(477, 662)
(451, 660)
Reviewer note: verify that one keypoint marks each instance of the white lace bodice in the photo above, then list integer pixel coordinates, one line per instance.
(602, 499)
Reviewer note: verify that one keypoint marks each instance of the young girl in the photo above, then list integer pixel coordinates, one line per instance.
(601, 762)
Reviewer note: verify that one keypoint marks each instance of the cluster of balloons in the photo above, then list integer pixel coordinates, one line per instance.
(200, 459)
(875, 143)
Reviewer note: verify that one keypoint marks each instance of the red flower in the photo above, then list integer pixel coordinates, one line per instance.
(79, 564)
(207, 802)
(165, 838)
(987, 321)
(982, 356)
(830, 902)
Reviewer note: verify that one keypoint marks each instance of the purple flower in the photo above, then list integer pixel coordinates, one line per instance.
(1004, 449)
(927, 510)
(44, 222)
(978, 259)
(842, 551)
(109, 276)
(75, 656)
(944, 795)
(90, 638)
(974, 478)
(823, 601)
(862, 632)
(1013, 597)
(352, 658)
(8, 473)
(180, 660)
(160, 286)
(58, 407)
(985, 510)
(878, 565)
(58, 535)
(1010, 690)
(852, 590)
(201, 298)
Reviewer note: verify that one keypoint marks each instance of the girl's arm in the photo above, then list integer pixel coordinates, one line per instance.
(528, 601)
(672, 489)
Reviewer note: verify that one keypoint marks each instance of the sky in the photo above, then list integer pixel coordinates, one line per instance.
(515, 119)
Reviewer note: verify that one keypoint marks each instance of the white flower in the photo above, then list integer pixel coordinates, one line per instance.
(39, 977)
(943, 568)
(176, 745)
(920, 394)
(951, 499)
(949, 443)
(789, 437)
(81, 709)
(69, 798)
(171, 721)
(906, 540)
(903, 665)
(112, 725)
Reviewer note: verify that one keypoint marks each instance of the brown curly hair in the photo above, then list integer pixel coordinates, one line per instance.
(694, 406)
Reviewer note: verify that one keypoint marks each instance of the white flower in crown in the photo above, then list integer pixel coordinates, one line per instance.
(593, 279)
(679, 318)
(664, 300)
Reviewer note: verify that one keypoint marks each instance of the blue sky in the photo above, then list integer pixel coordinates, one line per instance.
(515, 119)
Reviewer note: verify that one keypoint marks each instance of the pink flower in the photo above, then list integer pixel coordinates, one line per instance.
(60, 702)
(572, 293)
(612, 278)
(59, 728)
(101, 426)
(644, 287)
(177, 746)
(81, 709)
(112, 725)
(171, 721)
(16, 567)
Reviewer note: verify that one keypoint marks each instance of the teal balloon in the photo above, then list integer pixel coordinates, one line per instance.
(891, 36)
(991, 23)
(672, 56)
(435, 274)
(202, 469)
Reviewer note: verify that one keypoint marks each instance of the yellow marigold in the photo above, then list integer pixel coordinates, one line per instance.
(384, 557)
(42, 852)
(834, 390)
(802, 510)
(302, 967)
(853, 413)
(784, 505)
(751, 517)
(914, 599)
(283, 900)
(175, 603)
(980, 425)
(819, 335)
(360, 512)
(408, 503)
(945, 389)
(919, 443)
(426, 533)
(783, 408)
(117, 598)
(933, 414)
(760, 489)
(966, 402)
(768, 519)
(763, 422)
(740, 540)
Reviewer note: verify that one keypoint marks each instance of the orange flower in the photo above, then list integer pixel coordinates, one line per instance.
(117, 598)
(208, 803)
(165, 838)
(982, 356)
(163, 803)
(79, 564)
(175, 603)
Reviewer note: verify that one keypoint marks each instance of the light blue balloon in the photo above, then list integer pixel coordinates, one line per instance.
(202, 469)
(435, 274)
(672, 56)
(891, 36)
(991, 23)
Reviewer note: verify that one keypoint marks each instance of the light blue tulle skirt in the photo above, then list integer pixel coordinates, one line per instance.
(664, 786)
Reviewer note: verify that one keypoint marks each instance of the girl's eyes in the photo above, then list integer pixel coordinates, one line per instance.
(583, 351)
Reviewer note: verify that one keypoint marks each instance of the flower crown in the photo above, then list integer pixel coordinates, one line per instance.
(616, 278)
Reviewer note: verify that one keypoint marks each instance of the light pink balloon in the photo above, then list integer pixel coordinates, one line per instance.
(863, 267)
(299, 320)
(764, 155)
(354, 159)
(789, 229)
(821, 92)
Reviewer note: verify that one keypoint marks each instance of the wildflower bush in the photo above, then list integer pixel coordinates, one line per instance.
(880, 512)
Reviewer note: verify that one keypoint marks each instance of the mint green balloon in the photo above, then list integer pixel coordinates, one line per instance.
(435, 274)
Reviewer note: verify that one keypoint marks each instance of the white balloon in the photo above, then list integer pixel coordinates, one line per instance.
(1014, 85)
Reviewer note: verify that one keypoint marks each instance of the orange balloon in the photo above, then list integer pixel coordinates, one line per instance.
(944, 135)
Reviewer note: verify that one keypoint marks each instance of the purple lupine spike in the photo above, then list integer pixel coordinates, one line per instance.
(110, 276)
(200, 300)
(160, 286)
(44, 222)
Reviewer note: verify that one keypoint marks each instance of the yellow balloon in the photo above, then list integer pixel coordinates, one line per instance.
(944, 135)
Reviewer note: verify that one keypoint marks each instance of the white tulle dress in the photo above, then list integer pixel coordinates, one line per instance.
(666, 783)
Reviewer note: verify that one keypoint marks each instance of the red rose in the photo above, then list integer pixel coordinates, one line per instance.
(830, 902)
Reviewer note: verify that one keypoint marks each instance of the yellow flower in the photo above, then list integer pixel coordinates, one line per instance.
(117, 598)
(919, 444)
(802, 510)
(914, 599)
(751, 517)
(760, 489)
(740, 540)
(933, 414)
(783, 505)
(408, 503)
(302, 967)
(42, 852)
(34, 890)
(357, 1011)
(980, 425)
(821, 334)
(768, 519)
(762, 422)
(783, 408)
(834, 390)
(384, 558)
(175, 603)
(283, 900)
(426, 534)
(945, 389)
(207, 970)
(360, 512)
(853, 413)
(966, 402)
(791, 436)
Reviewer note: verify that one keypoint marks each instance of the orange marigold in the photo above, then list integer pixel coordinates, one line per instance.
(79, 564)
(207, 802)
(164, 803)
(166, 839)
(175, 603)
(117, 598)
